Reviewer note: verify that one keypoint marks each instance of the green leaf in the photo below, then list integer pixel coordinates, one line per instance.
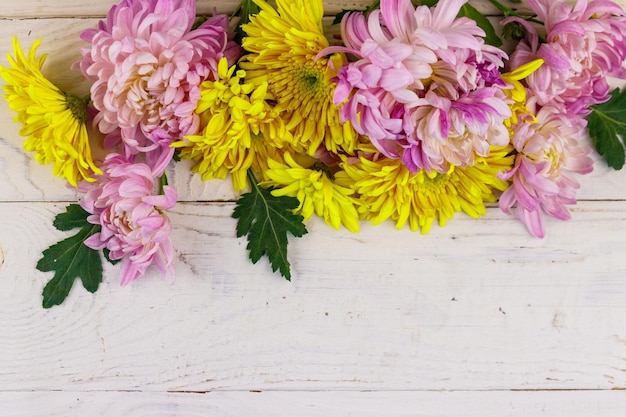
(266, 220)
(491, 37)
(607, 127)
(339, 16)
(70, 258)
(245, 9)
(74, 217)
(198, 22)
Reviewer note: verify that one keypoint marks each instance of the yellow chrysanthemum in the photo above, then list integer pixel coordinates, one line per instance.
(242, 130)
(283, 45)
(52, 121)
(317, 190)
(388, 189)
(517, 92)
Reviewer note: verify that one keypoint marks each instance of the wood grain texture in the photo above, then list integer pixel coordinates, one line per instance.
(65, 8)
(476, 305)
(474, 319)
(315, 404)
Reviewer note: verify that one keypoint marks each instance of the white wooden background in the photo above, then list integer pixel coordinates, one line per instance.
(475, 319)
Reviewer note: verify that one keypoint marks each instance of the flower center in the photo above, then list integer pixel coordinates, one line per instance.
(555, 159)
(122, 221)
(78, 106)
(432, 181)
(310, 87)
(309, 79)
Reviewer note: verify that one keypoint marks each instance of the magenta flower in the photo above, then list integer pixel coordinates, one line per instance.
(147, 65)
(425, 85)
(550, 149)
(134, 228)
(586, 42)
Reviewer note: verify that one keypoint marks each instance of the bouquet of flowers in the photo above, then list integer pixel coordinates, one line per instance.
(412, 114)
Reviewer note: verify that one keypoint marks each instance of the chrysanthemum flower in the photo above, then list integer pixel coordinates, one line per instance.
(441, 133)
(283, 46)
(389, 190)
(147, 65)
(317, 189)
(52, 121)
(134, 228)
(551, 147)
(516, 90)
(425, 86)
(586, 42)
(242, 130)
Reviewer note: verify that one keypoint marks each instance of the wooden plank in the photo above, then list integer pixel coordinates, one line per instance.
(476, 319)
(314, 404)
(477, 305)
(85, 8)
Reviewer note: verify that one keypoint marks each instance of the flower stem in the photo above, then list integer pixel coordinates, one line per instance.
(253, 181)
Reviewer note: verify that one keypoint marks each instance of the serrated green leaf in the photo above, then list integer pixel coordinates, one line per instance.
(607, 127)
(266, 220)
(74, 217)
(70, 258)
(483, 22)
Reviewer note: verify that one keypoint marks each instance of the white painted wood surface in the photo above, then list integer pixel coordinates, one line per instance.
(475, 319)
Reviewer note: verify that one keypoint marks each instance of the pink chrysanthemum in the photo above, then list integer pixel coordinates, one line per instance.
(134, 229)
(147, 65)
(586, 42)
(426, 87)
(551, 146)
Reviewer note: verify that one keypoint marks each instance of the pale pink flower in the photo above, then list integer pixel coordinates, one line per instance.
(441, 132)
(134, 228)
(147, 65)
(586, 42)
(423, 86)
(550, 149)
